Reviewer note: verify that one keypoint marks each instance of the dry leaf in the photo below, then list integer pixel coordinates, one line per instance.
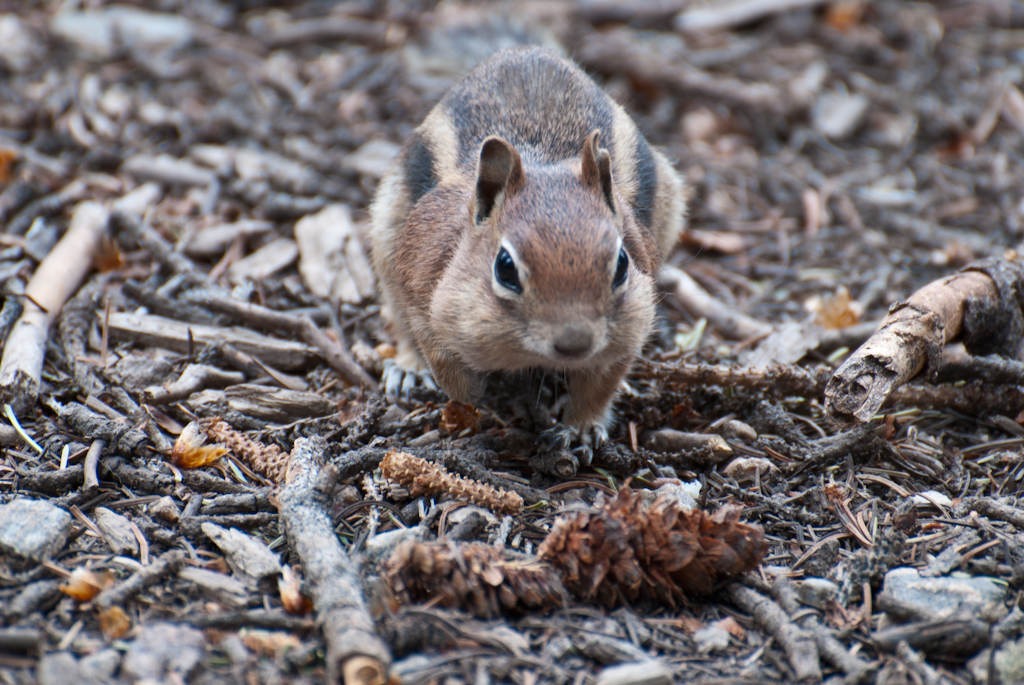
(731, 626)
(458, 417)
(190, 452)
(844, 15)
(114, 623)
(289, 586)
(7, 157)
(108, 256)
(836, 311)
(83, 584)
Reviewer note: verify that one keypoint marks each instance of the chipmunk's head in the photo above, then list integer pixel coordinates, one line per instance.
(554, 268)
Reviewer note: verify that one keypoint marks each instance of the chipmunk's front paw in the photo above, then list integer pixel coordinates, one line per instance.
(399, 381)
(581, 443)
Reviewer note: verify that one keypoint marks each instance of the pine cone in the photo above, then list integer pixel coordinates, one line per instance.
(661, 552)
(478, 578)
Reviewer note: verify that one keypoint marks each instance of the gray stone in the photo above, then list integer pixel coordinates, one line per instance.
(60, 668)
(160, 649)
(33, 529)
(100, 33)
(908, 596)
(712, 638)
(684, 494)
(118, 531)
(1008, 662)
(19, 46)
(817, 592)
(101, 665)
(166, 509)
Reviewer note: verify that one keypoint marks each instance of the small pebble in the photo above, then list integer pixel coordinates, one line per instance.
(712, 638)
(166, 509)
(817, 592)
(33, 529)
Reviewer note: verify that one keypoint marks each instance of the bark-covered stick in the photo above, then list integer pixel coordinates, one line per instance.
(57, 278)
(336, 356)
(978, 304)
(729, 322)
(355, 653)
(707, 17)
(798, 643)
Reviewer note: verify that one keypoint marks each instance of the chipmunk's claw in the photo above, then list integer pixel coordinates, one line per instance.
(581, 442)
(399, 381)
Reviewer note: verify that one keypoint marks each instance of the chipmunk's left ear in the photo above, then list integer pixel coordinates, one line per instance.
(597, 169)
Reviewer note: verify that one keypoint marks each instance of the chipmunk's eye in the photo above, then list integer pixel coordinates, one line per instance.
(621, 269)
(505, 271)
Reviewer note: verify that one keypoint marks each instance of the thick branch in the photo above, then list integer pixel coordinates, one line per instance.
(56, 279)
(977, 304)
(332, 575)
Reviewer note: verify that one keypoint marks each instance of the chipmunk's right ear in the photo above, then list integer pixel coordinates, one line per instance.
(500, 170)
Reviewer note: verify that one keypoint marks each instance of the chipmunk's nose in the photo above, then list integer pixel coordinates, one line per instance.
(574, 341)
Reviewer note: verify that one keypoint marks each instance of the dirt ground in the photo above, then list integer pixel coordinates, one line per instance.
(192, 487)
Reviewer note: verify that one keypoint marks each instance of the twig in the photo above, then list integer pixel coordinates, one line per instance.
(167, 333)
(798, 643)
(45, 206)
(92, 462)
(141, 417)
(620, 52)
(76, 318)
(122, 437)
(14, 295)
(785, 380)
(335, 355)
(161, 250)
(829, 647)
(195, 377)
(164, 566)
(986, 506)
(730, 323)
(335, 28)
(252, 618)
(57, 277)
(332, 575)
(9, 411)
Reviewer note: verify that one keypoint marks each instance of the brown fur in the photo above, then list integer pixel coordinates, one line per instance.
(526, 153)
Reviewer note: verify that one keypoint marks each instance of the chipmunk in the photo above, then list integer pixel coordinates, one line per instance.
(522, 226)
